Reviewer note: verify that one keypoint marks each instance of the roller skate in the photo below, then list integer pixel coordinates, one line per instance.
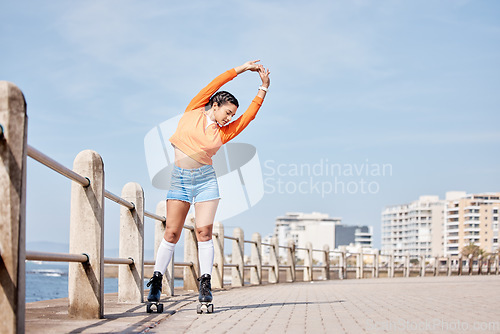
(155, 293)
(205, 297)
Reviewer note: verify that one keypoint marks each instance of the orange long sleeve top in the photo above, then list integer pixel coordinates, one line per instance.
(199, 139)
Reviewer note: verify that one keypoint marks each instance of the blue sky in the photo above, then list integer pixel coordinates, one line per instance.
(410, 84)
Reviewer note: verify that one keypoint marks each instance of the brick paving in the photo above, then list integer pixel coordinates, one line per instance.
(385, 305)
(466, 304)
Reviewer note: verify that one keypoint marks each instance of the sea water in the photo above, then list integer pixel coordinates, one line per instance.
(49, 280)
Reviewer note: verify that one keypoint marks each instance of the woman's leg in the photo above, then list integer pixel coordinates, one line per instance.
(176, 215)
(205, 215)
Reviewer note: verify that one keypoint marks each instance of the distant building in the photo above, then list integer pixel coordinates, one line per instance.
(472, 219)
(416, 228)
(317, 228)
(354, 235)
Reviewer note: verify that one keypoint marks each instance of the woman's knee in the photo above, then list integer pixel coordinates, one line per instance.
(204, 234)
(171, 236)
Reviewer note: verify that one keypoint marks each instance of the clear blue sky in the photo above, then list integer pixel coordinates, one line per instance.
(413, 84)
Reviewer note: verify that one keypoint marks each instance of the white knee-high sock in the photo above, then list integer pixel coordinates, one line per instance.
(206, 256)
(164, 255)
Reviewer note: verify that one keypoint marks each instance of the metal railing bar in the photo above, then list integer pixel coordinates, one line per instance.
(267, 266)
(154, 216)
(318, 250)
(110, 260)
(179, 264)
(301, 266)
(231, 265)
(183, 264)
(232, 238)
(56, 257)
(250, 242)
(54, 165)
(264, 244)
(250, 266)
(285, 247)
(299, 248)
(191, 228)
(119, 200)
(320, 266)
(285, 266)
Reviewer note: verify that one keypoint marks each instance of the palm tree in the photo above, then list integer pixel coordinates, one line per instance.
(474, 250)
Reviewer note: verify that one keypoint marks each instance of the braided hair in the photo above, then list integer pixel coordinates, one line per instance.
(221, 98)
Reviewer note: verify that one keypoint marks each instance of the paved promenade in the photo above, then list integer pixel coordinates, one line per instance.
(466, 304)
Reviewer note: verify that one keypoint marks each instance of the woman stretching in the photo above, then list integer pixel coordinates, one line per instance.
(202, 130)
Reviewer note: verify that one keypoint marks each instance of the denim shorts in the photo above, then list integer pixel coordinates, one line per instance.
(198, 184)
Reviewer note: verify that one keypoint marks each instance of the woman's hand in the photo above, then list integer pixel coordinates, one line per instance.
(249, 66)
(264, 76)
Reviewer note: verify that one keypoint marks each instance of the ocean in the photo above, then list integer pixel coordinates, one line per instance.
(49, 280)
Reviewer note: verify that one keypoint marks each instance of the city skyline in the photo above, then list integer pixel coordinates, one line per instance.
(406, 85)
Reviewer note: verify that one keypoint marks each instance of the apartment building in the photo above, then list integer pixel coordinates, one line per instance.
(416, 228)
(473, 219)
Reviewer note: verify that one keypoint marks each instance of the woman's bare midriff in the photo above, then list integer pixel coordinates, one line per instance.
(182, 160)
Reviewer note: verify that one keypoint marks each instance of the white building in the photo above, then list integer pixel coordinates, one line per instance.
(416, 228)
(317, 228)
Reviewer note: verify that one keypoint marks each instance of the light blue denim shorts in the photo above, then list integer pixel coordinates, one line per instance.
(199, 184)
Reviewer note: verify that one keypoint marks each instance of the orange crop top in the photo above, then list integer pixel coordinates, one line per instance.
(199, 139)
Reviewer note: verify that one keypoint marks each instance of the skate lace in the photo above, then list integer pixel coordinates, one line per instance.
(153, 280)
(205, 286)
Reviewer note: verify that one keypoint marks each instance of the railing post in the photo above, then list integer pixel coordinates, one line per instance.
(342, 263)
(169, 277)
(238, 273)
(407, 264)
(290, 260)
(218, 272)
(13, 151)
(460, 265)
(436, 266)
(376, 260)
(256, 260)
(361, 263)
(497, 263)
(86, 281)
(392, 264)
(326, 262)
(479, 264)
(308, 263)
(422, 265)
(191, 255)
(448, 265)
(131, 277)
(273, 261)
(470, 264)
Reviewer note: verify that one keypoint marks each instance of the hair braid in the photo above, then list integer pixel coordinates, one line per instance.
(222, 97)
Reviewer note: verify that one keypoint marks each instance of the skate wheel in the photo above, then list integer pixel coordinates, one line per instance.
(210, 308)
(148, 308)
(198, 309)
(159, 308)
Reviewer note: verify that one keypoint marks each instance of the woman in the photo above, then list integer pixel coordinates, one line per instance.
(202, 130)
